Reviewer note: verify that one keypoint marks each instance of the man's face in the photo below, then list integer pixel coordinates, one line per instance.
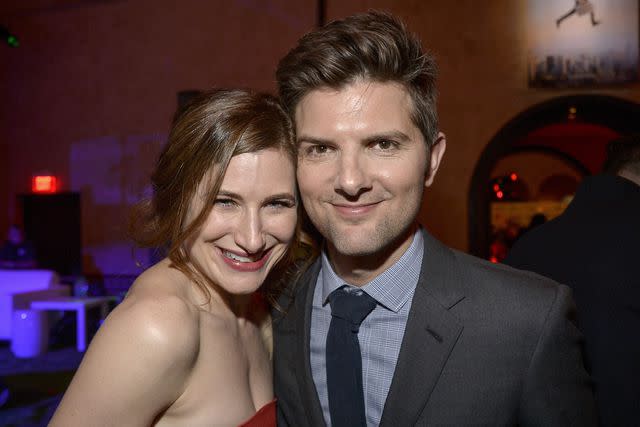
(362, 166)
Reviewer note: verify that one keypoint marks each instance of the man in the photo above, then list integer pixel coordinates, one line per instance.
(442, 338)
(593, 248)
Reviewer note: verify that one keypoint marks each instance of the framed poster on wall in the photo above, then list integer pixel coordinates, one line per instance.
(582, 43)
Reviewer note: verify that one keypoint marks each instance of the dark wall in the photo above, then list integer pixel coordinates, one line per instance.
(89, 94)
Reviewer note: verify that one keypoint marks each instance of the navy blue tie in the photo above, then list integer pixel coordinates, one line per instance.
(344, 361)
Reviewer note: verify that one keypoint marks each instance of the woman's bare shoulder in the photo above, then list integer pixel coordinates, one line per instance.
(140, 360)
(158, 308)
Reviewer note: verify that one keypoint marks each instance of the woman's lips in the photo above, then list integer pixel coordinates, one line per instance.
(243, 263)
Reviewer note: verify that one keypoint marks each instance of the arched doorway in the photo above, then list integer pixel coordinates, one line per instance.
(599, 111)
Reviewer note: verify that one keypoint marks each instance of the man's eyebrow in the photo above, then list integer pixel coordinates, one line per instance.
(395, 135)
(312, 140)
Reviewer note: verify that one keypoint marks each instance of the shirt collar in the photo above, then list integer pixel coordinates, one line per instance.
(391, 289)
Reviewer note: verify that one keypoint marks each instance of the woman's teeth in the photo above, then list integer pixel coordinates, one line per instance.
(239, 258)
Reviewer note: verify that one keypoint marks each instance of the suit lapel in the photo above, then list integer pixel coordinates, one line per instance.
(430, 335)
(302, 319)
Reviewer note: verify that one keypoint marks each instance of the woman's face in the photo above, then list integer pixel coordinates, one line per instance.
(251, 223)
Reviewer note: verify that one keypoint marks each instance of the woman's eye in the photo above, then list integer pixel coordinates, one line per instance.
(224, 203)
(282, 203)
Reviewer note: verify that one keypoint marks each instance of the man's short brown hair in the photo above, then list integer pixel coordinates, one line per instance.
(373, 46)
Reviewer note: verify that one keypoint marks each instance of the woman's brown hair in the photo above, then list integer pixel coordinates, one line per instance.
(204, 136)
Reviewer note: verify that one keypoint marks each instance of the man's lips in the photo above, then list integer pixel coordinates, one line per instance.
(352, 210)
(245, 263)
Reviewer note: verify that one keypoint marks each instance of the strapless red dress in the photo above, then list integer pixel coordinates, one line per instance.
(265, 417)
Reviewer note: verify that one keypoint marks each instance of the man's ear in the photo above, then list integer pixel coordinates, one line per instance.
(437, 151)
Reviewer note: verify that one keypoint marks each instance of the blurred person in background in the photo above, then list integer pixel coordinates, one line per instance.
(593, 247)
(17, 253)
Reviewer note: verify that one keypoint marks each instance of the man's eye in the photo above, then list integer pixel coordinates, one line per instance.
(384, 144)
(316, 150)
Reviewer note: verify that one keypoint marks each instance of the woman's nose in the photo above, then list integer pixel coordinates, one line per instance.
(249, 235)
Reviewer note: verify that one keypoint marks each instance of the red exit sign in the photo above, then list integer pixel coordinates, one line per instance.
(44, 184)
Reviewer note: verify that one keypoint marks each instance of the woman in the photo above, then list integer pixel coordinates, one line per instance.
(189, 345)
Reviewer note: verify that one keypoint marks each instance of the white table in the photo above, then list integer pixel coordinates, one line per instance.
(80, 306)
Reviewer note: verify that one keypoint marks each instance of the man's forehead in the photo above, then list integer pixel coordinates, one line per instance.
(353, 97)
(367, 103)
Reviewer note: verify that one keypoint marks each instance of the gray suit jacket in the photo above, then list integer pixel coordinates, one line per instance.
(484, 345)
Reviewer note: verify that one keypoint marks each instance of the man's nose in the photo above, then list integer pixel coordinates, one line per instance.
(352, 176)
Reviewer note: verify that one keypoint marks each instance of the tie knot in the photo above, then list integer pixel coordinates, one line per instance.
(351, 306)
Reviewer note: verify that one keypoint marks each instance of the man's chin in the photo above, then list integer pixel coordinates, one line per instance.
(374, 242)
(354, 245)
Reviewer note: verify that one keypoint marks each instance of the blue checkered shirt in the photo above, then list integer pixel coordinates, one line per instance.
(380, 334)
